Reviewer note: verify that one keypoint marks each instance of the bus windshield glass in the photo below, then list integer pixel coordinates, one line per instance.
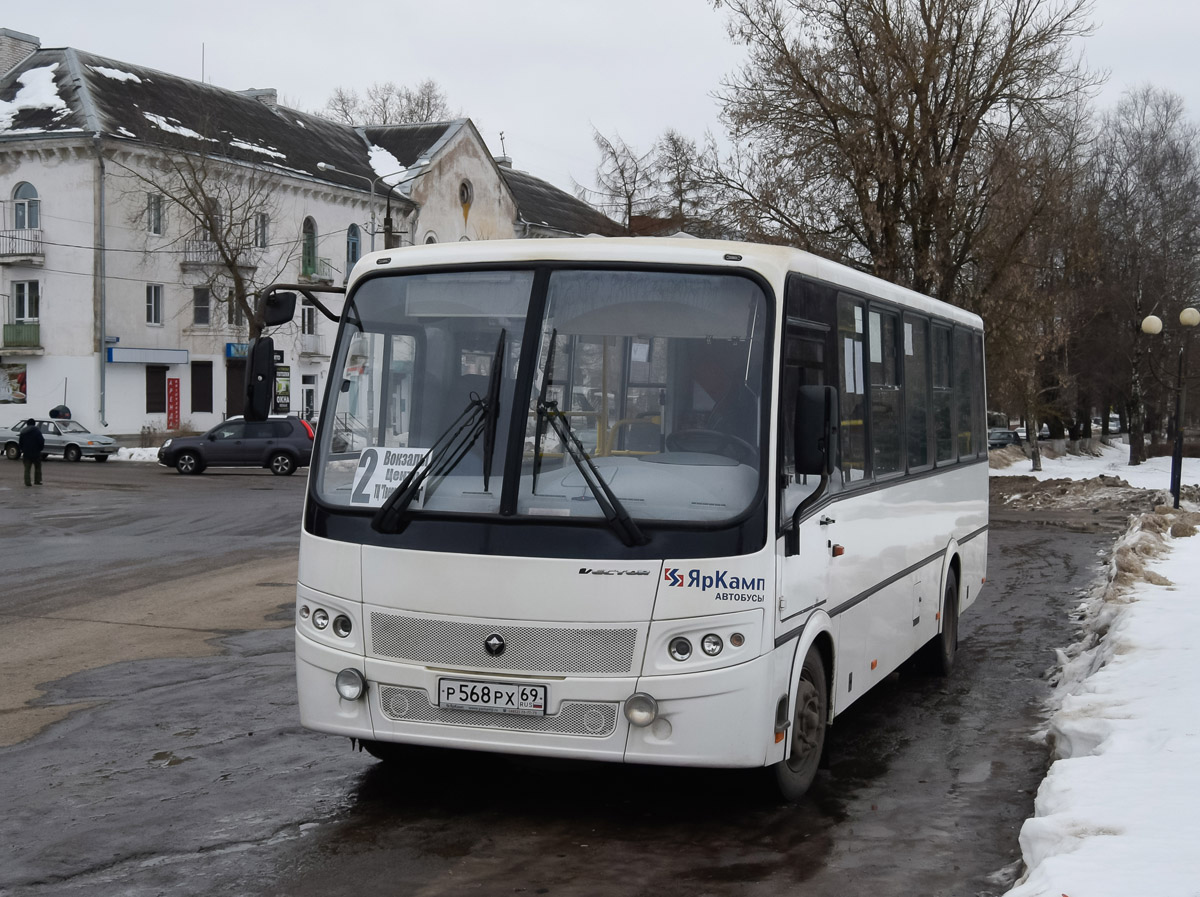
(641, 395)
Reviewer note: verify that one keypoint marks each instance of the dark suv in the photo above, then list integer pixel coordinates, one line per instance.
(279, 443)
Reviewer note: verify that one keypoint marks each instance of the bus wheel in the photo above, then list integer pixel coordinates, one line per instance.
(939, 652)
(795, 773)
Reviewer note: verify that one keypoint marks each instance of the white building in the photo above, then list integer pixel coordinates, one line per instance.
(116, 287)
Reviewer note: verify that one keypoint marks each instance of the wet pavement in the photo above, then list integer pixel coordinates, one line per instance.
(191, 776)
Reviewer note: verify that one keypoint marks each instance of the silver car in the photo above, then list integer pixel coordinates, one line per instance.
(68, 438)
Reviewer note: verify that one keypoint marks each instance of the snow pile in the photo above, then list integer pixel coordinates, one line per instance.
(386, 166)
(137, 454)
(38, 91)
(1115, 815)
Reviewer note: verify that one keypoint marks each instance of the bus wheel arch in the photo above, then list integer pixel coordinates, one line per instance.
(939, 653)
(809, 715)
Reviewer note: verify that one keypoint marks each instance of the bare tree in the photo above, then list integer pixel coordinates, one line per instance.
(685, 198)
(625, 181)
(386, 103)
(226, 212)
(870, 129)
(1147, 187)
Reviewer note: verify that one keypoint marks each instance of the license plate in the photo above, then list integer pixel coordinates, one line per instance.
(493, 697)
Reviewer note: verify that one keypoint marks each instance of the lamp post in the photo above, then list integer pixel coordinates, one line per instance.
(387, 217)
(1153, 325)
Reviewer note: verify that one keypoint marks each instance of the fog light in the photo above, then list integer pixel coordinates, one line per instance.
(641, 710)
(680, 648)
(342, 626)
(350, 684)
(737, 640)
(712, 645)
(320, 619)
(304, 612)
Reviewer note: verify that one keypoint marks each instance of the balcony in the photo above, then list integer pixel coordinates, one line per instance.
(200, 252)
(312, 344)
(22, 247)
(316, 270)
(24, 338)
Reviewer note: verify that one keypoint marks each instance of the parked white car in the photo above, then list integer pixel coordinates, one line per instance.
(68, 438)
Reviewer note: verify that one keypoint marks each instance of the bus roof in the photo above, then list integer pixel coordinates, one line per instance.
(773, 262)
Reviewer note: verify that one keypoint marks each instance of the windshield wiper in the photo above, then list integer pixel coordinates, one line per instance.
(478, 418)
(548, 412)
(614, 512)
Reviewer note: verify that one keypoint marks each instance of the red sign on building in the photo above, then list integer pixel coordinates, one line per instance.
(172, 403)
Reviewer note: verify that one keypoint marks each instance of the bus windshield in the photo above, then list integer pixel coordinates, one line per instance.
(643, 391)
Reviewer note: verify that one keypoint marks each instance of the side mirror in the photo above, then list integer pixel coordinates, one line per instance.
(278, 308)
(816, 426)
(260, 378)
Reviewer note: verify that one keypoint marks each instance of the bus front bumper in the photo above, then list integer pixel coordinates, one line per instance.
(717, 718)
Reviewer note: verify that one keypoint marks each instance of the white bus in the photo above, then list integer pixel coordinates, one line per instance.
(660, 501)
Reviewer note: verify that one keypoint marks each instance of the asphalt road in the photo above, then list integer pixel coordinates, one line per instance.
(148, 709)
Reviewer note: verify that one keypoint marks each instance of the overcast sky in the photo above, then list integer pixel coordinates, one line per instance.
(545, 72)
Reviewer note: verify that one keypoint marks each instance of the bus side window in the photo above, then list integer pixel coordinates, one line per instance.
(964, 394)
(852, 389)
(887, 395)
(943, 408)
(916, 392)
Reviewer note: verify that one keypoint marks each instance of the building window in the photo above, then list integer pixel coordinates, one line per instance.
(353, 246)
(156, 388)
(154, 303)
(308, 317)
(262, 230)
(237, 317)
(466, 193)
(26, 301)
(202, 386)
(201, 306)
(430, 237)
(154, 213)
(308, 251)
(27, 213)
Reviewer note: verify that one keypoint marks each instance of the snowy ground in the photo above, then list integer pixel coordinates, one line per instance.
(1115, 816)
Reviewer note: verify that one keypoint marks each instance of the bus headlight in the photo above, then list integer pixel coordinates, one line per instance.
(679, 648)
(712, 644)
(342, 626)
(320, 618)
(641, 710)
(350, 684)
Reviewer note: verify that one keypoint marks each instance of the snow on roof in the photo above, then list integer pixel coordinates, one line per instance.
(115, 74)
(386, 166)
(38, 91)
(174, 126)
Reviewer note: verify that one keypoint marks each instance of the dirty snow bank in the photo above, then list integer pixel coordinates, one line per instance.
(1115, 815)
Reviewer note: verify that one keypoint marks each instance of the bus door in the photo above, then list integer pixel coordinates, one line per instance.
(804, 575)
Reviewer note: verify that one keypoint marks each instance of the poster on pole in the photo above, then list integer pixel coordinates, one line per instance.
(172, 403)
(283, 388)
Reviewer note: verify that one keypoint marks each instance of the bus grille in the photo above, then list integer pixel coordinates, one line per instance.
(529, 649)
(411, 705)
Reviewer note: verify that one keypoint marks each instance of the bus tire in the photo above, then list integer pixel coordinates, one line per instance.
(795, 773)
(940, 651)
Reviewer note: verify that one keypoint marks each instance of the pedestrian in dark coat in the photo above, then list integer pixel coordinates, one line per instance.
(31, 442)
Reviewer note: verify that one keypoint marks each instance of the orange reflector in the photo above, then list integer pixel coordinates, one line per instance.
(838, 551)
(874, 663)
(778, 737)
(938, 615)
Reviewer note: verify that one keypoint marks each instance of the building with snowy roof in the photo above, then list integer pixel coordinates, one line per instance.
(140, 213)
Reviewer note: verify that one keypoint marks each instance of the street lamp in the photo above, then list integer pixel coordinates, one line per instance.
(1153, 325)
(387, 217)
